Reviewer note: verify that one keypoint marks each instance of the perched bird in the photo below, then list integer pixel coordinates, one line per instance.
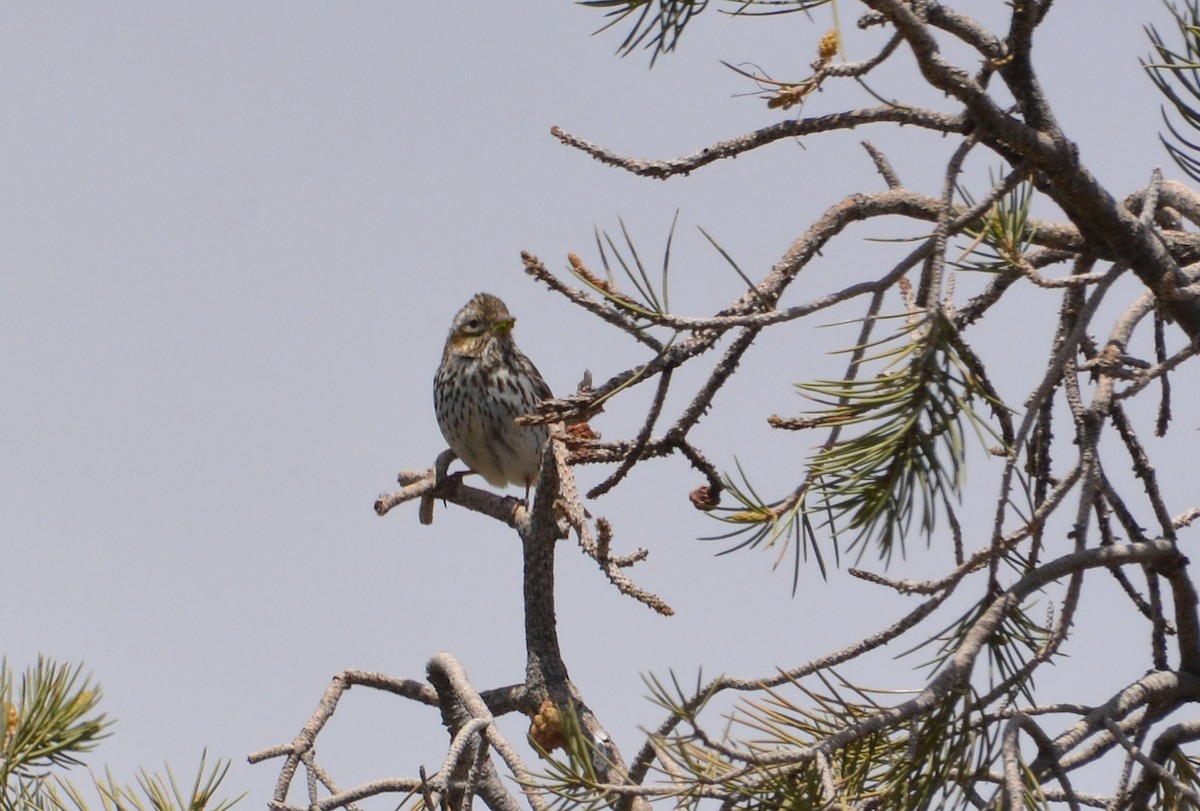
(483, 384)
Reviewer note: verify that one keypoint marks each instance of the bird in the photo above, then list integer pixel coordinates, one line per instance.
(483, 384)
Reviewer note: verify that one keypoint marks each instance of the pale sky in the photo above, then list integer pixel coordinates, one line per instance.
(234, 235)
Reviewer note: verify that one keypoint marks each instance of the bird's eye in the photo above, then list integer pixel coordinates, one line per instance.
(473, 325)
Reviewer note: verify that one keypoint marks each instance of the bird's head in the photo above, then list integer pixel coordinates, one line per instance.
(484, 321)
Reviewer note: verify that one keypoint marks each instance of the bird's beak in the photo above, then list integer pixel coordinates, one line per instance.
(504, 327)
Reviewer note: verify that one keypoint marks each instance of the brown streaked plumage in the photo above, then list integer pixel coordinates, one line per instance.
(483, 384)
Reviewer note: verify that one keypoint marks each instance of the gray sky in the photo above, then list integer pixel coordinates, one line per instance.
(233, 237)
